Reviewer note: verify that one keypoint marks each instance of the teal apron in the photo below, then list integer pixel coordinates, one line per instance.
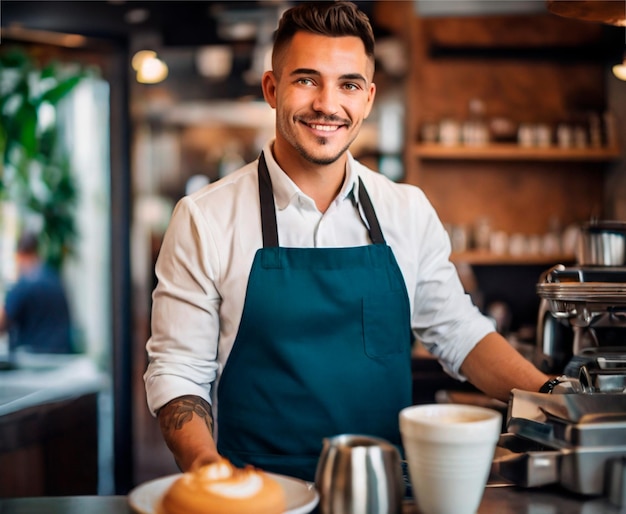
(323, 348)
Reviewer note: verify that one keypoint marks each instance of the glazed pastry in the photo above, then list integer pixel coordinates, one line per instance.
(221, 488)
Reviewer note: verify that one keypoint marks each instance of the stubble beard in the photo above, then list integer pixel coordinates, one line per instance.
(322, 161)
(307, 155)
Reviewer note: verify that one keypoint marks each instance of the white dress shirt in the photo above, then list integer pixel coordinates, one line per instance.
(208, 249)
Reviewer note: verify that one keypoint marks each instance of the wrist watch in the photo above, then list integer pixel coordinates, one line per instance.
(549, 386)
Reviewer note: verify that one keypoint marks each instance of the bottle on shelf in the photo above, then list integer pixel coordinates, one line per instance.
(475, 131)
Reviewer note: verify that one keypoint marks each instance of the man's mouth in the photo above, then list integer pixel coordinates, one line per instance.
(330, 124)
(324, 128)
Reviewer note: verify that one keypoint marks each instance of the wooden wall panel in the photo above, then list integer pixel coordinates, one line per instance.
(523, 91)
(517, 196)
(519, 31)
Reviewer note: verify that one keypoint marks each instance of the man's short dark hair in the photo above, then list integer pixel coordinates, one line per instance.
(28, 244)
(330, 18)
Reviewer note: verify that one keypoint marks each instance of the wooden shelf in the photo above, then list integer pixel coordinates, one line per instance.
(481, 257)
(513, 152)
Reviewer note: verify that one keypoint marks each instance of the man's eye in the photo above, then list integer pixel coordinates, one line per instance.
(305, 82)
(351, 86)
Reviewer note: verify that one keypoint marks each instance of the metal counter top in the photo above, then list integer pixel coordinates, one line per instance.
(496, 500)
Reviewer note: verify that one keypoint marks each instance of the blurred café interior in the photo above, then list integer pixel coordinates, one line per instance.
(510, 115)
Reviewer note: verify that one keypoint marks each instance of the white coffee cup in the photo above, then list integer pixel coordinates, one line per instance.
(449, 449)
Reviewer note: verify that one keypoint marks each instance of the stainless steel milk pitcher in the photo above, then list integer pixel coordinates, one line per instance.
(359, 474)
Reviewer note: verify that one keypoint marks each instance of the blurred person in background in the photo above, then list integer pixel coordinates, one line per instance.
(36, 312)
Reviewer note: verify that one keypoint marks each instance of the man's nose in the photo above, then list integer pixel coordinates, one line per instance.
(327, 100)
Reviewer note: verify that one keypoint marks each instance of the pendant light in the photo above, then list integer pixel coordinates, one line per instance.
(619, 70)
(150, 69)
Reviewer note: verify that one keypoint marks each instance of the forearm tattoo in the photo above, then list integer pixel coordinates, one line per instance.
(175, 414)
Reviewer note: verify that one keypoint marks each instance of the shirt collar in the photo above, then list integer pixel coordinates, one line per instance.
(286, 189)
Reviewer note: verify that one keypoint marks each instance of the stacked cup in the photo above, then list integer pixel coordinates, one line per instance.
(449, 449)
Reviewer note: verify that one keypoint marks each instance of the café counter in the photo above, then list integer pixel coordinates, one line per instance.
(49, 430)
(496, 500)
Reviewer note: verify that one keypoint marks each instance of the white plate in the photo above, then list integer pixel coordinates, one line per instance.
(146, 498)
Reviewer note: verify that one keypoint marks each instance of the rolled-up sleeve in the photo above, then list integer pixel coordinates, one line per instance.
(444, 318)
(182, 349)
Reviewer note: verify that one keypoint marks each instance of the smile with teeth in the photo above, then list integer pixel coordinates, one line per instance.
(324, 128)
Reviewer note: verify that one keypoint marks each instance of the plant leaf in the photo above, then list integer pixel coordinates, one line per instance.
(63, 88)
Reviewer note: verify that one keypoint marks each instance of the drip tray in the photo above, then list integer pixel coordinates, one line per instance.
(617, 362)
(600, 369)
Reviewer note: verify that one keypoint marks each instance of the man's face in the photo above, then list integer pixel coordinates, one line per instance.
(322, 91)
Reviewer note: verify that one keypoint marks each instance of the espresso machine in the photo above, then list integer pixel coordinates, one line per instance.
(583, 321)
(576, 437)
(582, 315)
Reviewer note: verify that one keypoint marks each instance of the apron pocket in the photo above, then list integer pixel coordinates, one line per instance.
(386, 327)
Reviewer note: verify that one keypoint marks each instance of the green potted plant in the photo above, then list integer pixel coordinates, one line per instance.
(35, 172)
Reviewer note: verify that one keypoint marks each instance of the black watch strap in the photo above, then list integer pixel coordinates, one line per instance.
(549, 385)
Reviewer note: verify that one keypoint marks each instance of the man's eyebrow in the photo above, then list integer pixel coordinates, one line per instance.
(310, 71)
(304, 71)
(353, 76)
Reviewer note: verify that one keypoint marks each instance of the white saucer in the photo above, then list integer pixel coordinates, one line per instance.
(301, 496)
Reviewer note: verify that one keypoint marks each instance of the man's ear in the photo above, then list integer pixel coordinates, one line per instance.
(268, 84)
(370, 99)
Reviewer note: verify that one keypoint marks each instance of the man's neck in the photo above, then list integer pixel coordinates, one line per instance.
(321, 182)
(27, 263)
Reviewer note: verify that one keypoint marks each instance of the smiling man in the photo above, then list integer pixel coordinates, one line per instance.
(290, 292)
(319, 111)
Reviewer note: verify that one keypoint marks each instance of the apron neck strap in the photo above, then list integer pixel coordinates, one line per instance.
(268, 209)
(376, 233)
